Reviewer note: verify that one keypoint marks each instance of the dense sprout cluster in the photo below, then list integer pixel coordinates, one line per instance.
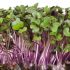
(34, 37)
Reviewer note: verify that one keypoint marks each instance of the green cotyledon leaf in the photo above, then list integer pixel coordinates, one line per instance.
(1, 20)
(67, 22)
(22, 30)
(58, 37)
(17, 24)
(10, 16)
(46, 9)
(4, 27)
(67, 48)
(36, 14)
(66, 31)
(53, 42)
(55, 26)
(36, 38)
(35, 21)
(46, 22)
(34, 28)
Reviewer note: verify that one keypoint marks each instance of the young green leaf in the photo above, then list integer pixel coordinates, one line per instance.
(67, 22)
(58, 37)
(34, 28)
(22, 30)
(69, 15)
(53, 42)
(3, 28)
(67, 48)
(22, 8)
(39, 15)
(35, 21)
(46, 9)
(53, 33)
(55, 26)
(46, 22)
(37, 38)
(66, 31)
(53, 19)
(1, 20)
(11, 15)
(17, 24)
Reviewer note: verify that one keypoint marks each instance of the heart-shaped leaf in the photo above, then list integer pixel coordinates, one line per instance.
(55, 26)
(17, 24)
(58, 37)
(66, 31)
(34, 28)
(23, 30)
(46, 22)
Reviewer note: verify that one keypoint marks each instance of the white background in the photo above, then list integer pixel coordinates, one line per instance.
(12, 3)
